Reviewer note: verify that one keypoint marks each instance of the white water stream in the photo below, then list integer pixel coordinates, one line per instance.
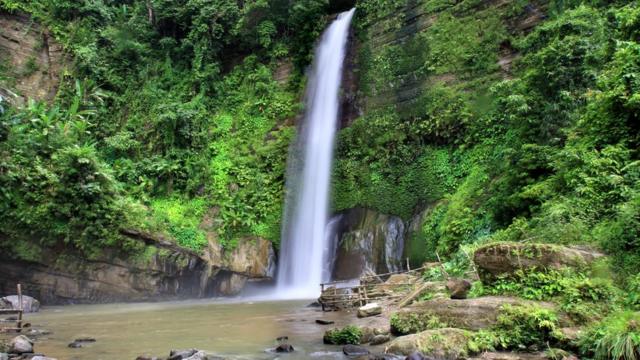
(306, 247)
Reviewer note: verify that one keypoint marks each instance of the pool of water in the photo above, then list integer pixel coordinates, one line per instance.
(237, 329)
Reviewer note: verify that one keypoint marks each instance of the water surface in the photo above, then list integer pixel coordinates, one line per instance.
(237, 329)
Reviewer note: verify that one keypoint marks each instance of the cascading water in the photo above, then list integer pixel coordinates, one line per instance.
(306, 246)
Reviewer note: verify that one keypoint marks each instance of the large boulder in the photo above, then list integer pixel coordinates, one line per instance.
(504, 259)
(369, 310)
(458, 288)
(470, 314)
(446, 343)
(20, 345)
(29, 304)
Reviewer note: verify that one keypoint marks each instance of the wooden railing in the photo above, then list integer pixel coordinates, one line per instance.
(19, 312)
(335, 295)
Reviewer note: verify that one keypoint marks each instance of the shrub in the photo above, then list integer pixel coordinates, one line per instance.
(617, 338)
(583, 298)
(348, 335)
(523, 326)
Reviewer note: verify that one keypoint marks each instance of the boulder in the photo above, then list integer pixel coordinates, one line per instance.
(504, 259)
(446, 343)
(369, 310)
(181, 354)
(29, 304)
(324, 322)
(417, 356)
(504, 355)
(199, 355)
(20, 345)
(380, 339)
(355, 350)
(458, 288)
(469, 314)
(284, 348)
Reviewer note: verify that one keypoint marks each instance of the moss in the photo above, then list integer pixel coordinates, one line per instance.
(403, 323)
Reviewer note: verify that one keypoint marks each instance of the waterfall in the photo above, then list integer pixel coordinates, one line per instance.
(306, 246)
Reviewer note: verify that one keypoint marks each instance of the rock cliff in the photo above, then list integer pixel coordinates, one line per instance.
(31, 58)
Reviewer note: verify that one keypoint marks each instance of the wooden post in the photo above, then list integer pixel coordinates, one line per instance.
(20, 307)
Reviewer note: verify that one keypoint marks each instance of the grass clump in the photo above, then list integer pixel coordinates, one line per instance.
(347, 335)
(581, 297)
(519, 327)
(617, 337)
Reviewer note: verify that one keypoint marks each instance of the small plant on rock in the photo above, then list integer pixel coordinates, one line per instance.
(348, 335)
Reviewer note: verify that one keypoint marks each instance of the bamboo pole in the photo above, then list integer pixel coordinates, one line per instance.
(20, 307)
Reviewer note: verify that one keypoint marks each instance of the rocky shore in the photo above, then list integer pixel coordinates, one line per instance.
(421, 316)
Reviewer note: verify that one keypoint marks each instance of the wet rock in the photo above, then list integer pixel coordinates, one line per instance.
(181, 354)
(381, 357)
(29, 304)
(458, 288)
(199, 355)
(314, 304)
(75, 345)
(85, 340)
(355, 350)
(380, 339)
(381, 331)
(504, 259)
(367, 334)
(20, 345)
(416, 355)
(470, 314)
(324, 322)
(369, 310)
(284, 348)
(147, 357)
(281, 339)
(504, 355)
(446, 343)
(39, 332)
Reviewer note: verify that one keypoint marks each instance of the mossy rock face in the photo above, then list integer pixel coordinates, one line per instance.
(446, 343)
(504, 259)
(469, 314)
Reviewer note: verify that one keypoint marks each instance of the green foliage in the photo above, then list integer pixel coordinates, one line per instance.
(632, 298)
(348, 335)
(616, 337)
(186, 118)
(522, 326)
(518, 327)
(580, 296)
(403, 323)
(182, 218)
